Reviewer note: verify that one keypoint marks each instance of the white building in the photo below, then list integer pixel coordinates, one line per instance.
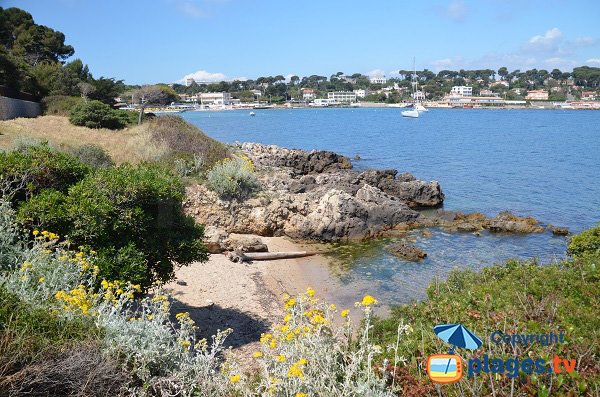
(308, 94)
(537, 95)
(257, 93)
(378, 80)
(215, 98)
(342, 96)
(361, 93)
(419, 95)
(461, 90)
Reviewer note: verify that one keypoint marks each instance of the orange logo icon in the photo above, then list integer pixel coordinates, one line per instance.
(444, 368)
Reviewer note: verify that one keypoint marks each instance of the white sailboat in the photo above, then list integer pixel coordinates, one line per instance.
(414, 112)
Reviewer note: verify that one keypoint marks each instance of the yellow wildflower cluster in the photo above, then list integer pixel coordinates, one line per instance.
(45, 235)
(368, 300)
(296, 369)
(116, 290)
(77, 298)
(247, 164)
(184, 318)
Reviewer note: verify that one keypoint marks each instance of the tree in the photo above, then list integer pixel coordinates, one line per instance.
(23, 38)
(107, 89)
(150, 95)
(503, 73)
(86, 89)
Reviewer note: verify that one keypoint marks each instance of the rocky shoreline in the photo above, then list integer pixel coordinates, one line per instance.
(318, 196)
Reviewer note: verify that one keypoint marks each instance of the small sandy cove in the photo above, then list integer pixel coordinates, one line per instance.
(247, 297)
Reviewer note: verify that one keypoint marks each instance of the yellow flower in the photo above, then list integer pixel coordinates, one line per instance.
(26, 265)
(36, 232)
(317, 319)
(285, 328)
(310, 292)
(280, 358)
(257, 354)
(150, 317)
(235, 378)
(345, 313)
(332, 307)
(264, 338)
(295, 371)
(41, 279)
(301, 395)
(290, 303)
(287, 317)
(273, 344)
(184, 343)
(368, 300)
(180, 315)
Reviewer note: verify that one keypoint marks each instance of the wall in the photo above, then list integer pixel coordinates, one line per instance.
(11, 108)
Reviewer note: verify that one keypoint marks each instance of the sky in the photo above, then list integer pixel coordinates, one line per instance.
(151, 41)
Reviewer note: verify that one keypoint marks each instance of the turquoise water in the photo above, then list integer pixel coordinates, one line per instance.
(532, 162)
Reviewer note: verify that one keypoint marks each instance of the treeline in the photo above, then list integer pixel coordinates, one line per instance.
(33, 60)
(278, 88)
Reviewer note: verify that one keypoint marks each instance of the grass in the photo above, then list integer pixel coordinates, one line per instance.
(163, 138)
(27, 333)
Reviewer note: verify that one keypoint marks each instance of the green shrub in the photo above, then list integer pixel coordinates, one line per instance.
(185, 141)
(95, 114)
(23, 142)
(60, 105)
(131, 215)
(35, 168)
(233, 178)
(93, 155)
(587, 241)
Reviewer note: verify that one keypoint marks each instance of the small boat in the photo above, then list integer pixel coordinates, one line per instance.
(410, 113)
(252, 114)
(414, 112)
(419, 107)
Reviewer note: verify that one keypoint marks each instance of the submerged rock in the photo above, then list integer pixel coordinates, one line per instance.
(559, 231)
(406, 250)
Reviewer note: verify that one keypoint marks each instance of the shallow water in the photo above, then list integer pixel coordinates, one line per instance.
(533, 162)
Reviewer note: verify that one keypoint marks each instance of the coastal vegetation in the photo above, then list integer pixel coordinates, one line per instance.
(512, 298)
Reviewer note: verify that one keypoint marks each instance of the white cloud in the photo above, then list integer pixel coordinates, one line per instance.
(560, 63)
(548, 42)
(585, 41)
(203, 75)
(376, 73)
(456, 11)
(594, 61)
(191, 9)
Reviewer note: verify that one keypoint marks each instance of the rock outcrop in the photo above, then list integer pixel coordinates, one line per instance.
(314, 196)
(407, 251)
(504, 222)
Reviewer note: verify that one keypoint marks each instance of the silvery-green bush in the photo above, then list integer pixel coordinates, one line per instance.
(232, 178)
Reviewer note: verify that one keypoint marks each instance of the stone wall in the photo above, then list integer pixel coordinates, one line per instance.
(11, 108)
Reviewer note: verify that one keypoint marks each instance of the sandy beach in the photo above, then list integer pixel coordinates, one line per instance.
(247, 297)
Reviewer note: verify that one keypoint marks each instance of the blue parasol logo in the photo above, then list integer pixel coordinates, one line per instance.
(458, 336)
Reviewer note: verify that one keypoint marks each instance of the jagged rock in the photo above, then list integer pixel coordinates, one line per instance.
(406, 187)
(558, 231)
(244, 243)
(406, 250)
(314, 195)
(507, 222)
(213, 239)
(426, 233)
(301, 161)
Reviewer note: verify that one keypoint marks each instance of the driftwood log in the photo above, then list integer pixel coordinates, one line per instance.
(239, 256)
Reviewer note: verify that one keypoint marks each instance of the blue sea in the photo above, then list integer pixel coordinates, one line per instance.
(542, 163)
